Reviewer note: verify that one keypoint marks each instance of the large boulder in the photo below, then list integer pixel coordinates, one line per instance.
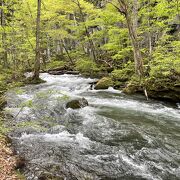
(77, 103)
(162, 89)
(104, 83)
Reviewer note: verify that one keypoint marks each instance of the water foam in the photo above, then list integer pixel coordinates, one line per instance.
(63, 137)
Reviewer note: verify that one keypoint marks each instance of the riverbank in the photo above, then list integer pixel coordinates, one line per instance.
(8, 160)
(163, 85)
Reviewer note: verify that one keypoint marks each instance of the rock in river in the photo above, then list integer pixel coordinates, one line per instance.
(104, 83)
(77, 103)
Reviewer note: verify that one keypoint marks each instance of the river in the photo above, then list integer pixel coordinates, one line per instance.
(115, 137)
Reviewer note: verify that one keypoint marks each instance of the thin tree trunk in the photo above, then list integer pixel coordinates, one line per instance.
(123, 8)
(67, 52)
(135, 14)
(37, 59)
(91, 43)
(149, 33)
(4, 46)
(48, 51)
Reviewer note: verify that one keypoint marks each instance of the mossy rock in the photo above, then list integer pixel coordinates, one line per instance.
(168, 95)
(163, 88)
(132, 88)
(32, 80)
(104, 83)
(119, 84)
(77, 103)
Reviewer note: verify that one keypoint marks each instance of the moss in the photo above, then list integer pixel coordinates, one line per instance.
(134, 85)
(19, 91)
(33, 124)
(132, 88)
(3, 129)
(3, 87)
(163, 88)
(19, 175)
(104, 83)
(119, 84)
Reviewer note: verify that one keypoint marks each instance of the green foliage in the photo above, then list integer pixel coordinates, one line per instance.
(55, 64)
(3, 87)
(123, 74)
(165, 63)
(3, 128)
(94, 39)
(19, 91)
(86, 66)
(63, 98)
(28, 103)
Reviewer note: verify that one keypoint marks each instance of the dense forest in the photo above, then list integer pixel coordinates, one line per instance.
(130, 45)
(135, 43)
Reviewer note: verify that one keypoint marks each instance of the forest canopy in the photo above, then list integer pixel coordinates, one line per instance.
(123, 39)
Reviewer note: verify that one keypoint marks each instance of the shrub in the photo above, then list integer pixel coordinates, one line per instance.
(87, 67)
(55, 64)
(123, 74)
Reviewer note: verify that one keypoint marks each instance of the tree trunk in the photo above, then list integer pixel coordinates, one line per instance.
(149, 33)
(67, 52)
(48, 50)
(136, 49)
(37, 58)
(90, 41)
(135, 14)
(4, 46)
(132, 28)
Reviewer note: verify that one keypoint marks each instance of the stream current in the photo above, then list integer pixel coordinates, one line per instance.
(115, 137)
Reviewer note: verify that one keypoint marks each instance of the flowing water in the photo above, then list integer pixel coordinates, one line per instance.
(115, 137)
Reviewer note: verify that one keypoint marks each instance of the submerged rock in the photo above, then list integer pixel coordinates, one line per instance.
(77, 103)
(104, 83)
